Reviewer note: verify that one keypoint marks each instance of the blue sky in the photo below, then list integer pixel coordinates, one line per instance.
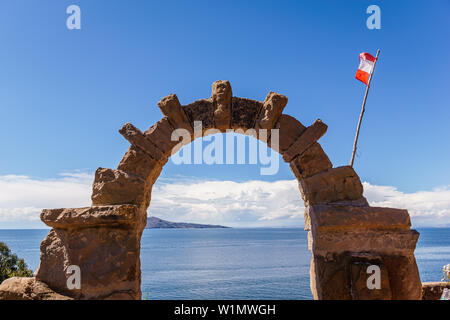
(65, 93)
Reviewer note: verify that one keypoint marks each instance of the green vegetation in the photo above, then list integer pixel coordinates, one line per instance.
(11, 265)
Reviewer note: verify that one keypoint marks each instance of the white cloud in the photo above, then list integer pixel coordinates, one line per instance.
(426, 208)
(251, 203)
(239, 204)
(22, 198)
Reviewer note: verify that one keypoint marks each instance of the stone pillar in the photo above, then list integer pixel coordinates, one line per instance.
(346, 240)
(103, 241)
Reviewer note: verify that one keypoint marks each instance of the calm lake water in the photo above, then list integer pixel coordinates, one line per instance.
(269, 263)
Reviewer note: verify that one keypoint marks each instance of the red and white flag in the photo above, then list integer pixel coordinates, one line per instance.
(366, 62)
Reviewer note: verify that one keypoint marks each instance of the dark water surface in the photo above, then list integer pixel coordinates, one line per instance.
(269, 263)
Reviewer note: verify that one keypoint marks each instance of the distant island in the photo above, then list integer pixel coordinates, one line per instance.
(157, 223)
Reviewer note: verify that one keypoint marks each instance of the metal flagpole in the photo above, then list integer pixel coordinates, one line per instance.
(363, 109)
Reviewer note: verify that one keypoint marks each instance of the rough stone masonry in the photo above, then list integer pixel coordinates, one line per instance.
(346, 235)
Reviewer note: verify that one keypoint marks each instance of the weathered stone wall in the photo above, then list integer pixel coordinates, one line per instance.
(345, 234)
(104, 241)
(20, 288)
(345, 240)
(434, 290)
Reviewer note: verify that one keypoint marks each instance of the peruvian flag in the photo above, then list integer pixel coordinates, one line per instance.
(366, 62)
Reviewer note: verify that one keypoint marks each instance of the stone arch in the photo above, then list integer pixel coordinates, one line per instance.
(346, 235)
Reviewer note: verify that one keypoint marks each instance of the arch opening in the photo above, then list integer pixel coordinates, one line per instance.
(226, 263)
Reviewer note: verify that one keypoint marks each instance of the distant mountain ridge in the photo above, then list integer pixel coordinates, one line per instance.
(157, 223)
